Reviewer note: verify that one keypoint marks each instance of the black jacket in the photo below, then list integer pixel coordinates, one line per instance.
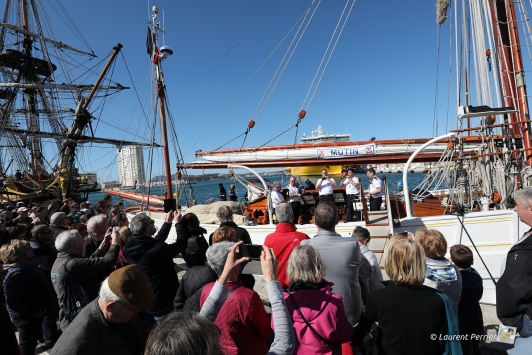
(194, 279)
(155, 258)
(514, 288)
(194, 254)
(469, 313)
(91, 250)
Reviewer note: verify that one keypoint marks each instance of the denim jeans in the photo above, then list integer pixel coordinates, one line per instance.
(527, 327)
(29, 330)
(49, 330)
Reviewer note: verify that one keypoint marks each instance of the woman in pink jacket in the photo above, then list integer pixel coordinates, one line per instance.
(318, 315)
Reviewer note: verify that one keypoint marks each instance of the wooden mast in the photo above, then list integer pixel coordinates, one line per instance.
(162, 114)
(162, 106)
(512, 73)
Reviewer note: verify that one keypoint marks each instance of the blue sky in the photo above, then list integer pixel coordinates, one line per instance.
(380, 82)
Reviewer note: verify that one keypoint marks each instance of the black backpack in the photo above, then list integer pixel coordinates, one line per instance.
(74, 297)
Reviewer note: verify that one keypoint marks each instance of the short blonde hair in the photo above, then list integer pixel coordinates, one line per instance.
(223, 234)
(305, 265)
(13, 252)
(434, 244)
(405, 262)
(125, 233)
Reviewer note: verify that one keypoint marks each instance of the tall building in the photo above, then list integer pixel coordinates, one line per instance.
(131, 165)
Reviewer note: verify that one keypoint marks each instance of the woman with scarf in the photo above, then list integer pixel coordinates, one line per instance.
(318, 315)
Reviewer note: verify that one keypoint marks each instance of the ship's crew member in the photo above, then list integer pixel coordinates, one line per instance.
(514, 295)
(223, 193)
(343, 175)
(277, 196)
(325, 185)
(351, 194)
(374, 193)
(18, 175)
(309, 185)
(232, 193)
(295, 198)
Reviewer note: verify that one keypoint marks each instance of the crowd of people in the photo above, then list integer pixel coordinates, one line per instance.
(111, 285)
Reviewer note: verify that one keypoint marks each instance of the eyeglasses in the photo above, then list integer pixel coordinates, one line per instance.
(134, 309)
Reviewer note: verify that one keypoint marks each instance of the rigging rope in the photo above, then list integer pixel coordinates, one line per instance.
(247, 82)
(330, 54)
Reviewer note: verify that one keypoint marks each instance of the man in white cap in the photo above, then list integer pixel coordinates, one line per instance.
(22, 217)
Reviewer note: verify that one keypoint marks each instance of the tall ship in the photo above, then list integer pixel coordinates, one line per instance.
(478, 165)
(51, 97)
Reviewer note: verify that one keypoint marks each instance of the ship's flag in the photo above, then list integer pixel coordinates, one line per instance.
(151, 47)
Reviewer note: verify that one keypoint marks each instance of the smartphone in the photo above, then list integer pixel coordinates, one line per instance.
(252, 251)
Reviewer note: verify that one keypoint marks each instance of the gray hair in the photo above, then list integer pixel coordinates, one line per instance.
(361, 234)
(106, 294)
(525, 194)
(184, 332)
(63, 240)
(305, 265)
(95, 221)
(225, 214)
(278, 185)
(284, 213)
(326, 215)
(139, 223)
(217, 255)
(38, 229)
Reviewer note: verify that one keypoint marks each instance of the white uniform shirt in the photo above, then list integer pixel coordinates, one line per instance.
(375, 184)
(277, 198)
(326, 188)
(349, 188)
(291, 191)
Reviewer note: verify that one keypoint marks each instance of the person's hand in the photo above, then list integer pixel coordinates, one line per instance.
(268, 264)
(178, 216)
(233, 261)
(115, 235)
(169, 217)
(107, 236)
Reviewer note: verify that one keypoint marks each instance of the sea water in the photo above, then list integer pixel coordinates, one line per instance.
(205, 190)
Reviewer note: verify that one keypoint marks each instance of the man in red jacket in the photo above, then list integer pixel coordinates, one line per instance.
(284, 240)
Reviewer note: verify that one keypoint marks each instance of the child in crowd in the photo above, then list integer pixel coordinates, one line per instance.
(469, 313)
(442, 275)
